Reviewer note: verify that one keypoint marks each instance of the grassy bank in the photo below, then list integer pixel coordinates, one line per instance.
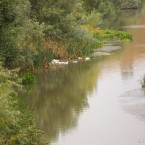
(17, 122)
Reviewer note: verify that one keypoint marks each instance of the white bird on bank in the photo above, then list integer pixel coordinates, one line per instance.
(80, 58)
(87, 58)
(56, 61)
(74, 61)
(63, 62)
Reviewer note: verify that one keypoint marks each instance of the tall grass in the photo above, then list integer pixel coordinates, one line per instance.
(17, 122)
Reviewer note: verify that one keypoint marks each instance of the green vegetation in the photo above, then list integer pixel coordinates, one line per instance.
(21, 36)
(17, 122)
(28, 78)
(101, 35)
(33, 32)
(122, 35)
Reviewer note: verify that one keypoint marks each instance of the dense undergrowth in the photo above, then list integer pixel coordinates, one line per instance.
(17, 122)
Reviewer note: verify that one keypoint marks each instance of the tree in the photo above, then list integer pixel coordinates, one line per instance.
(19, 34)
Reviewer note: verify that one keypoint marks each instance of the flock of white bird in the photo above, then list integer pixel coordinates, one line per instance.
(60, 62)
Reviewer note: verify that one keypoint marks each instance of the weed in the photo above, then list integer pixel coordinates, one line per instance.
(28, 78)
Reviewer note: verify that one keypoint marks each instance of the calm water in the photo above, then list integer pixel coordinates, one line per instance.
(100, 102)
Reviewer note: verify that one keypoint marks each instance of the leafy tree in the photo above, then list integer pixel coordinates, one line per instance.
(20, 35)
(28, 28)
(64, 21)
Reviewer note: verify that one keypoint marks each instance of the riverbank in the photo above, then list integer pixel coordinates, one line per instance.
(110, 40)
(48, 35)
(17, 121)
(59, 30)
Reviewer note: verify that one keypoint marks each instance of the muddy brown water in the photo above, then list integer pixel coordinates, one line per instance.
(99, 102)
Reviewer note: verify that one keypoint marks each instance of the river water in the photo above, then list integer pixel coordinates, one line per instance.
(97, 102)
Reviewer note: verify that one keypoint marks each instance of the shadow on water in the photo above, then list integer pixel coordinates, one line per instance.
(61, 95)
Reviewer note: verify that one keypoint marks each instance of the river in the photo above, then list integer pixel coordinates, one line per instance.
(97, 102)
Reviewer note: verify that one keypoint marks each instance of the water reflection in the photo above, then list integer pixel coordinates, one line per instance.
(133, 101)
(127, 70)
(133, 51)
(114, 84)
(61, 96)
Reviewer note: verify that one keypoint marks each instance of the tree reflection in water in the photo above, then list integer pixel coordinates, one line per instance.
(61, 95)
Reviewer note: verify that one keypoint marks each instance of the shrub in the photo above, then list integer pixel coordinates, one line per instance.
(17, 122)
(28, 78)
(105, 34)
(122, 35)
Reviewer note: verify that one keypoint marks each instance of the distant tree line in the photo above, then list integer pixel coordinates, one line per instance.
(35, 31)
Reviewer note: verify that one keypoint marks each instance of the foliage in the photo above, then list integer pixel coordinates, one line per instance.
(105, 34)
(17, 123)
(33, 32)
(117, 34)
(63, 22)
(107, 9)
(28, 78)
(131, 4)
(21, 35)
(36, 31)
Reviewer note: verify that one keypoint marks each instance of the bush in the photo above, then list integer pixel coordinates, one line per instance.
(17, 122)
(122, 35)
(105, 34)
(28, 78)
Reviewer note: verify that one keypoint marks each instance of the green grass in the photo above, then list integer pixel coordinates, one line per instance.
(28, 78)
(106, 34)
(17, 122)
(122, 35)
